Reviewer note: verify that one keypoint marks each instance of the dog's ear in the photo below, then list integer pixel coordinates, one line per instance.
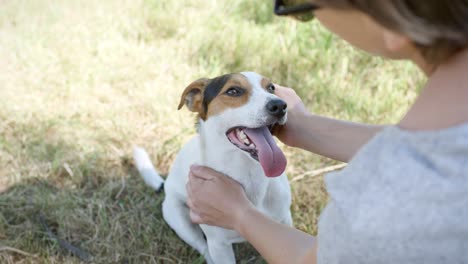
(192, 96)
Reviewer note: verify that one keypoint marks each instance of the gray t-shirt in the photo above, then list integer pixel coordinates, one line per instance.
(402, 199)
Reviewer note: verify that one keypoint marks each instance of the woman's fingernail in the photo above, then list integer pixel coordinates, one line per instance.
(195, 167)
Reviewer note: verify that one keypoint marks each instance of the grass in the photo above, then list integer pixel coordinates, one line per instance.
(82, 81)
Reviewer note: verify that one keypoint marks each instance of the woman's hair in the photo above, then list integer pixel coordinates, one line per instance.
(438, 28)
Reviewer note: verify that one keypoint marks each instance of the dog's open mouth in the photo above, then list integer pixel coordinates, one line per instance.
(261, 146)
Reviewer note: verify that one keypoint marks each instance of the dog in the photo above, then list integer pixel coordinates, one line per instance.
(236, 113)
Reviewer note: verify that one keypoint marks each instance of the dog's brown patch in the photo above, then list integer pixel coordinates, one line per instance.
(192, 96)
(265, 83)
(223, 101)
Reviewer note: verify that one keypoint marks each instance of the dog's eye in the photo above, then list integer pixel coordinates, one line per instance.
(271, 88)
(235, 91)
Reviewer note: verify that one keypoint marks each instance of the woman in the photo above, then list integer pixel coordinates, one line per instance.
(403, 198)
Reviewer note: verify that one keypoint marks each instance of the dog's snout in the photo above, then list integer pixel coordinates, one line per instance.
(277, 107)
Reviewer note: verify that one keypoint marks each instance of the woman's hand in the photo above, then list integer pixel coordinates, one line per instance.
(297, 112)
(215, 199)
(336, 139)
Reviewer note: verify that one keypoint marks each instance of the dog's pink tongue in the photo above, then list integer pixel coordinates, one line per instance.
(270, 155)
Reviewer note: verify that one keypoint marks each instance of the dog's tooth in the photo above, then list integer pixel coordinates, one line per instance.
(242, 135)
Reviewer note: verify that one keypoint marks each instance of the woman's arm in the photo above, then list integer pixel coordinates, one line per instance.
(277, 243)
(332, 138)
(328, 137)
(216, 199)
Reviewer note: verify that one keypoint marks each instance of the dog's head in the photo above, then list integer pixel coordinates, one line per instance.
(242, 108)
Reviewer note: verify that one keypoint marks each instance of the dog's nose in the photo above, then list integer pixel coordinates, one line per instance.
(277, 107)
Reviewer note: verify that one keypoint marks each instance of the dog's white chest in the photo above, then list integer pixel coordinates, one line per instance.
(249, 174)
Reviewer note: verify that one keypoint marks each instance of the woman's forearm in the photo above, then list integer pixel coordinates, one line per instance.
(277, 243)
(333, 138)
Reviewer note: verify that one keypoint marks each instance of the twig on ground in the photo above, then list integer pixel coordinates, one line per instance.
(314, 173)
(17, 251)
(121, 189)
(68, 169)
(81, 254)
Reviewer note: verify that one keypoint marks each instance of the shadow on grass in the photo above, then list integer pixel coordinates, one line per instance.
(108, 213)
(113, 224)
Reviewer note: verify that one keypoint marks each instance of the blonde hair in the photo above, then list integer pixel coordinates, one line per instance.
(438, 28)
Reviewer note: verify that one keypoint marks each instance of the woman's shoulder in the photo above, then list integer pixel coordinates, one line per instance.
(404, 147)
(395, 153)
(400, 191)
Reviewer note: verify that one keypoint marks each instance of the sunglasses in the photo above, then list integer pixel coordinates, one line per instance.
(302, 12)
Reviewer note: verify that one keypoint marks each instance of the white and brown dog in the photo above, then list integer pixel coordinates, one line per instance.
(236, 113)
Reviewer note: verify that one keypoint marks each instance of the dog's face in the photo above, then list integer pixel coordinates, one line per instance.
(242, 108)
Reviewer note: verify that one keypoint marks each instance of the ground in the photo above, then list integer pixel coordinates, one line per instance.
(83, 81)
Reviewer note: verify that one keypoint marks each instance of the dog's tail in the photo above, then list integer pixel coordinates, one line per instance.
(147, 170)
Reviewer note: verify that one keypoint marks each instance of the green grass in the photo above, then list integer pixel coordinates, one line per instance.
(82, 81)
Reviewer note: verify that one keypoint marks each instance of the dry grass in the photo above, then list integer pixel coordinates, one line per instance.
(81, 81)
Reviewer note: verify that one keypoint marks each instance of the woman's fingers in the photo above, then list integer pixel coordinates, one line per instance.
(201, 172)
(213, 198)
(195, 218)
(194, 184)
(189, 203)
(283, 92)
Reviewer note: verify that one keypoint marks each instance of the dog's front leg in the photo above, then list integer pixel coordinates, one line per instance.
(221, 252)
